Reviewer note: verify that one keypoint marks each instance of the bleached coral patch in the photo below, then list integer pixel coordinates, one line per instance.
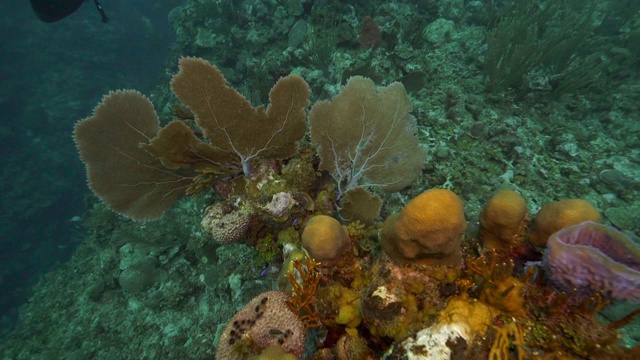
(437, 342)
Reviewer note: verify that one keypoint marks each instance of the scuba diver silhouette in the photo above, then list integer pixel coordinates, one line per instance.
(54, 10)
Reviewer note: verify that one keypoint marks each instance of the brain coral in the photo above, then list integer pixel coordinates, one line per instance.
(325, 239)
(226, 226)
(559, 214)
(503, 220)
(266, 320)
(428, 231)
(592, 257)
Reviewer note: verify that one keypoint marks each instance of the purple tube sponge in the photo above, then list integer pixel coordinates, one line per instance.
(592, 257)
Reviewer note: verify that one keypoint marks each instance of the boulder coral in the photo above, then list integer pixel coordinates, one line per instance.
(428, 231)
(325, 239)
(559, 214)
(266, 320)
(503, 221)
(591, 257)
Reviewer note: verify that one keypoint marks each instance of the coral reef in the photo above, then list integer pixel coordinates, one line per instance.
(297, 206)
(472, 315)
(438, 342)
(496, 286)
(280, 205)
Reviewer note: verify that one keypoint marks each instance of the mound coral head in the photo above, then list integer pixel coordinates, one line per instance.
(592, 257)
(427, 232)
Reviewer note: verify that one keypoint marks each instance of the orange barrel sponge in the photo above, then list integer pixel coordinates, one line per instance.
(560, 214)
(503, 221)
(325, 239)
(428, 231)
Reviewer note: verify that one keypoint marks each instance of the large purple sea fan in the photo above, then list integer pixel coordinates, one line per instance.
(591, 257)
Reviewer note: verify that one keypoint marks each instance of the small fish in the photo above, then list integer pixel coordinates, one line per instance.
(264, 271)
(295, 221)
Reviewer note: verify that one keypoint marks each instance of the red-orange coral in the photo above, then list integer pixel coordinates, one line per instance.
(303, 298)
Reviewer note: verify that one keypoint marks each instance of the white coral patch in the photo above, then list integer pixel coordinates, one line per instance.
(431, 343)
(385, 295)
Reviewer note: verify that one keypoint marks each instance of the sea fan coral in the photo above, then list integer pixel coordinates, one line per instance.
(367, 136)
(140, 170)
(129, 179)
